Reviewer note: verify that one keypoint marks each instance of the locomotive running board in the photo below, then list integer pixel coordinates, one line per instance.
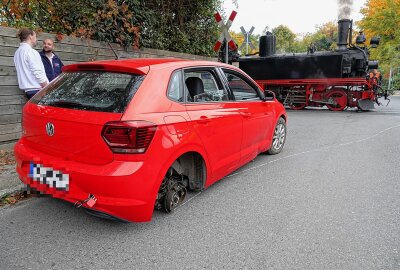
(366, 104)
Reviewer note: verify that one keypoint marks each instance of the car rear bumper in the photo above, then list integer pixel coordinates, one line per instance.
(122, 188)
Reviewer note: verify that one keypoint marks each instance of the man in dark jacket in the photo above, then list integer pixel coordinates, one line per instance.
(52, 64)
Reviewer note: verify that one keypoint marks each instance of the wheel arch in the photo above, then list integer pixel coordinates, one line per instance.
(282, 115)
(187, 152)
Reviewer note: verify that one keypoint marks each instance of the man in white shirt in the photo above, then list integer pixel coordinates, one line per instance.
(28, 63)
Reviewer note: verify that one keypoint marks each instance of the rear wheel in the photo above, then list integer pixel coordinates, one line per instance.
(172, 191)
(279, 138)
(188, 172)
(338, 98)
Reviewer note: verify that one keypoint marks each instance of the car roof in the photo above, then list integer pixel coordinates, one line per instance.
(139, 65)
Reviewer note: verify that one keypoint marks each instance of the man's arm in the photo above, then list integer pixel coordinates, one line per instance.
(37, 68)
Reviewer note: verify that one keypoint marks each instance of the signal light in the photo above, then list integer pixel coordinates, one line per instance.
(130, 137)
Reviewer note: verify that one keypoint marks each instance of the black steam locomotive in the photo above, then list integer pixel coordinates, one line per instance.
(337, 79)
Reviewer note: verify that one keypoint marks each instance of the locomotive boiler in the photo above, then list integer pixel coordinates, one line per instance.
(336, 79)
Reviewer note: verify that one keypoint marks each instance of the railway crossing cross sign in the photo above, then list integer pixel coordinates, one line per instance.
(247, 41)
(225, 33)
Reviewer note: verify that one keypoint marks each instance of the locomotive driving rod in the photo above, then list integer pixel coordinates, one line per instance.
(324, 102)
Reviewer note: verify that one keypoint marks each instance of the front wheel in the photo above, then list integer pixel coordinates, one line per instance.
(279, 138)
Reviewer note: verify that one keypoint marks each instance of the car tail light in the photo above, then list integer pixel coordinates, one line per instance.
(128, 137)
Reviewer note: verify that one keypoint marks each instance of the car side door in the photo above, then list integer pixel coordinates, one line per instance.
(214, 119)
(256, 113)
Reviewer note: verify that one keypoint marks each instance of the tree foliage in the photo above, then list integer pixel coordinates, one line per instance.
(382, 18)
(324, 38)
(180, 25)
(239, 39)
(105, 20)
(285, 39)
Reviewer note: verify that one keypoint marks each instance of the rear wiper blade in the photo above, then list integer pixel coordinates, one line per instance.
(66, 103)
(75, 104)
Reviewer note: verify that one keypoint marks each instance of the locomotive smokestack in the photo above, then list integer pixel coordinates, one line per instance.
(344, 27)
(344, 23)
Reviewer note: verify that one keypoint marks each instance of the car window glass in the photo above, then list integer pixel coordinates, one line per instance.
(203, 87)
(91, 91)
(175, 90)
(240, 88)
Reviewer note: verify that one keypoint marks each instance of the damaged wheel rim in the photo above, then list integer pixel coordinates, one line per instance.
(174, 197)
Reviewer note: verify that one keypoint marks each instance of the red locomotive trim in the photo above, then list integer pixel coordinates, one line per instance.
(325, 81)
(335, 93)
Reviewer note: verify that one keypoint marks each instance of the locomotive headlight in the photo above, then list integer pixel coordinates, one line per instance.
(374, 42)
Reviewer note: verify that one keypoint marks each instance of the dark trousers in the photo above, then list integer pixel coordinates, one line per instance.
(30, 93)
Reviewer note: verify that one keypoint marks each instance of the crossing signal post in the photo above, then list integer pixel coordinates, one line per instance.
(225, 34)
(247, 41)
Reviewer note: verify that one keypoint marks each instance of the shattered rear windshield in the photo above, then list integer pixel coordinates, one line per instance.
(91, 90)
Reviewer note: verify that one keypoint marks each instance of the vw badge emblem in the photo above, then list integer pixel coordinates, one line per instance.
(50, 129)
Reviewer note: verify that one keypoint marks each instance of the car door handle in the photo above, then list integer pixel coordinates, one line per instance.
(245, 114)
(204, 119)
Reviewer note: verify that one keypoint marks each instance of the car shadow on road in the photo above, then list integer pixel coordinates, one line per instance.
(45, 210)
(63, 214)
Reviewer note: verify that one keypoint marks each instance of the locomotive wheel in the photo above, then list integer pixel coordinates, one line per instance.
(297, 106)
(339, 97)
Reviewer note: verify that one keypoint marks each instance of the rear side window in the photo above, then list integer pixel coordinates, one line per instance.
(175, 89)
(206, 88)
(91, 90)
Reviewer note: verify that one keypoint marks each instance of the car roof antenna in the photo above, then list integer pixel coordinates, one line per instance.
(116, 55)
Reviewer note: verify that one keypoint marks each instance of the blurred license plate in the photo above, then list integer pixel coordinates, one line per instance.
(49, 176)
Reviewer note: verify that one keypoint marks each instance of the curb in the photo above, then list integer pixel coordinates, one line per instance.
(4, 192)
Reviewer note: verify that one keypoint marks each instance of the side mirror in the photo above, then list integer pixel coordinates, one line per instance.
(269, 95)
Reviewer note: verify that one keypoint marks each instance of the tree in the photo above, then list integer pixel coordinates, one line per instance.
(287, 41)
(104, 20)
(324, 38)
(181, 25)
(382, 18)
(239, 40)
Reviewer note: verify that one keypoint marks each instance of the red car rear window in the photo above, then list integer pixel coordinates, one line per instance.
(91, 90)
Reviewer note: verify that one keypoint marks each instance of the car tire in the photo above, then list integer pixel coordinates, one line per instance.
(279, 137)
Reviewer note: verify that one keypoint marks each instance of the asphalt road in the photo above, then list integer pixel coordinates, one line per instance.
(330, 200)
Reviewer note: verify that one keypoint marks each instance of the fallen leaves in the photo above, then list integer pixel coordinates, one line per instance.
(14, 198)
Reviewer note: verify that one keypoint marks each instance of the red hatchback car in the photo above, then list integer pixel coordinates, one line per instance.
(125, 137)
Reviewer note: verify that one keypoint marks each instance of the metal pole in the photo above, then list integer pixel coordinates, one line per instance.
(390, 78)
(247, 44)
(226, 51)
